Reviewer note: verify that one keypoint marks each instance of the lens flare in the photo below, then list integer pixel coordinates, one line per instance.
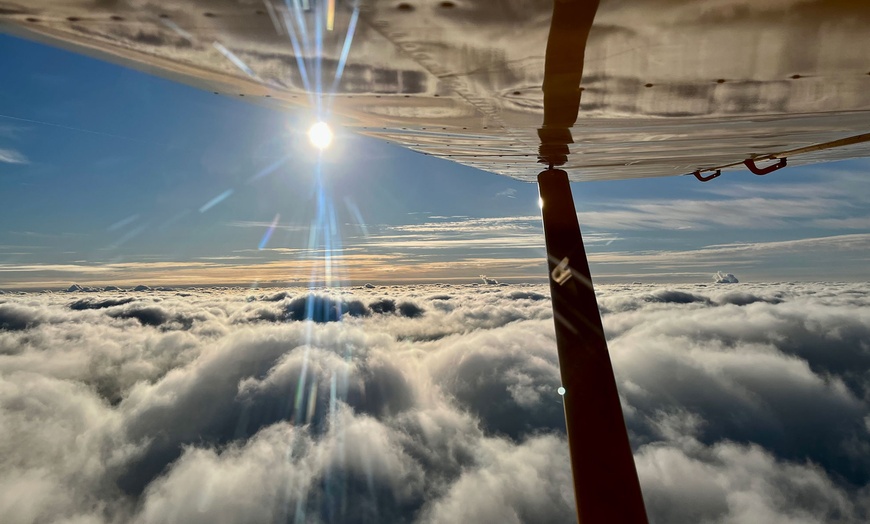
(320, 135)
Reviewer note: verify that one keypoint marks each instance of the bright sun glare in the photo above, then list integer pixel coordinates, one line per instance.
(320, 135)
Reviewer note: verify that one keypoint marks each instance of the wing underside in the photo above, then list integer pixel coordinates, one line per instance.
(668, 86)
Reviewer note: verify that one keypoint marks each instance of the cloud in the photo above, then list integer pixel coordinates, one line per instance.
(844, 223)
(724, 278)
(817, 204)
(267, 225)
(733, 483)
(434, 265)
(517, 232)
(10, 156)
(429, 404)
(773, 259)
(433, 261)
(17, 318)
(148, 316)
(702, 214)
(325, 308)
(510, 486)
(99, 304)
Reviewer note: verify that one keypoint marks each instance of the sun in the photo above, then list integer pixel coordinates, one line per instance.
(320, 135)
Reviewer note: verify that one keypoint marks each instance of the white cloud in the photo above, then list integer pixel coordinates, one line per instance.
(745, 403)
(529, 482)
(730, 483)
(724, 278)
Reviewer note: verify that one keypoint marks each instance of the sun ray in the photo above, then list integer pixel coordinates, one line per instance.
(345, 49)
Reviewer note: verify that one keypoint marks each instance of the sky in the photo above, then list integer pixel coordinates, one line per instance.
(113, 176)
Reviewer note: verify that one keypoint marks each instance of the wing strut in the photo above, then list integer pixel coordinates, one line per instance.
(605, 480)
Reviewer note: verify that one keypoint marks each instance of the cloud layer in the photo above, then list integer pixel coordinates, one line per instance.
(745, 403)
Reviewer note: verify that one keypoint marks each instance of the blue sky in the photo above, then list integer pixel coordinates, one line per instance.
(109, 175)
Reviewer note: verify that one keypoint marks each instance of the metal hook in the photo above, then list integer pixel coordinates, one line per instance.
(707, 178)
(750, 164)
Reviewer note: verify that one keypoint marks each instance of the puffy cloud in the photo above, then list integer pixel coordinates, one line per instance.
(745, 403)
(506, 377)
(724, 278)
(99, 304)
(58, 443)
(529, 482)
(732, 483)
(15, 318)
(281, 471)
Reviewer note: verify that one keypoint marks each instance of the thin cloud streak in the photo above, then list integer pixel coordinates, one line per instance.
(358, 268)
(739, 251)
(426, 265)
(822, 204)
(10, 156)
(748, 213)
(266, 225)
(473, 225)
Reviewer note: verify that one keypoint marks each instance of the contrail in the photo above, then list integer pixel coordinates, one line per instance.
(70, 128)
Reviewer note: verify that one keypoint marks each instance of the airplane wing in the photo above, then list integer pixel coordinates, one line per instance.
(668, 86)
